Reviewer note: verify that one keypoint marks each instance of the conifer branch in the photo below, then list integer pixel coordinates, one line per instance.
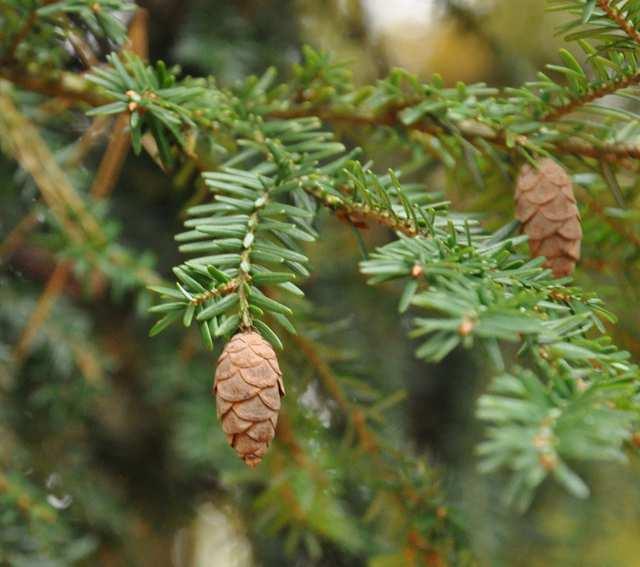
(332, 386)
(619, 18)
(268, 164)
(613, 153)
(600, 91)
(398, 487)
(74, 87)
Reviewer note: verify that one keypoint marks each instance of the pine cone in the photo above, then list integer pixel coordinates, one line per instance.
(248, 387)
(546, 207)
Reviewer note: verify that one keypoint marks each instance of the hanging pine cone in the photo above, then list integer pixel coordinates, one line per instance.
(248, 387)
(546, 207)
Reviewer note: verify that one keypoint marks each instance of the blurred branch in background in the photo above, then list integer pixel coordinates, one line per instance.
(31, 151)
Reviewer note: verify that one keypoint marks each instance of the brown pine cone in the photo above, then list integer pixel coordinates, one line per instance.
(248, 387)
(546, 207)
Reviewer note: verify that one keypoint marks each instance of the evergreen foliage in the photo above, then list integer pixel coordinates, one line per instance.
(266, 157)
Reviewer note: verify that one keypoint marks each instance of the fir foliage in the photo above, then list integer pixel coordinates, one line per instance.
(266, 157)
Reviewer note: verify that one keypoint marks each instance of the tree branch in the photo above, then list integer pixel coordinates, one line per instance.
(20, 36)
(67, 205)
(357, 213)
(333, 388)
(75, 88)
(65, 85)
(608, 88)
(472, 132)
(220, 291)
(54, 287)
(618, 17)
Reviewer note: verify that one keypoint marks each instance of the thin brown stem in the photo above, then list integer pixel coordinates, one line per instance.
(68, 207)
(403, 493)
(114, 156)
(333, 388)
(75, 88)
(61, 84)
(621, 154)
(138, 35)
(20, 37)
(17, 235)
(54, 287)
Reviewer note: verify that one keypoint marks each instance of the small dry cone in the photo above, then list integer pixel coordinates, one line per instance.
(248, 387)
(546, 207)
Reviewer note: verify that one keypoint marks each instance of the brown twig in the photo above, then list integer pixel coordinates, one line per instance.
(333, 388)
(66, 205)
(54, 286)
(621, 154)
(114, 157)
(61, 84)
(220, 291)
(20, 37)
(138, 35)
(16, 236)
(74, 88)
(113, 160)
(35, 157)
(87, 141)
(403, 493)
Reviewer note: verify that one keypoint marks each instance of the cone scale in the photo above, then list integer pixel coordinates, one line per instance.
(248, 389)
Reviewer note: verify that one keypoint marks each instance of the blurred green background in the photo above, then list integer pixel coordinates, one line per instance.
(119, 430)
